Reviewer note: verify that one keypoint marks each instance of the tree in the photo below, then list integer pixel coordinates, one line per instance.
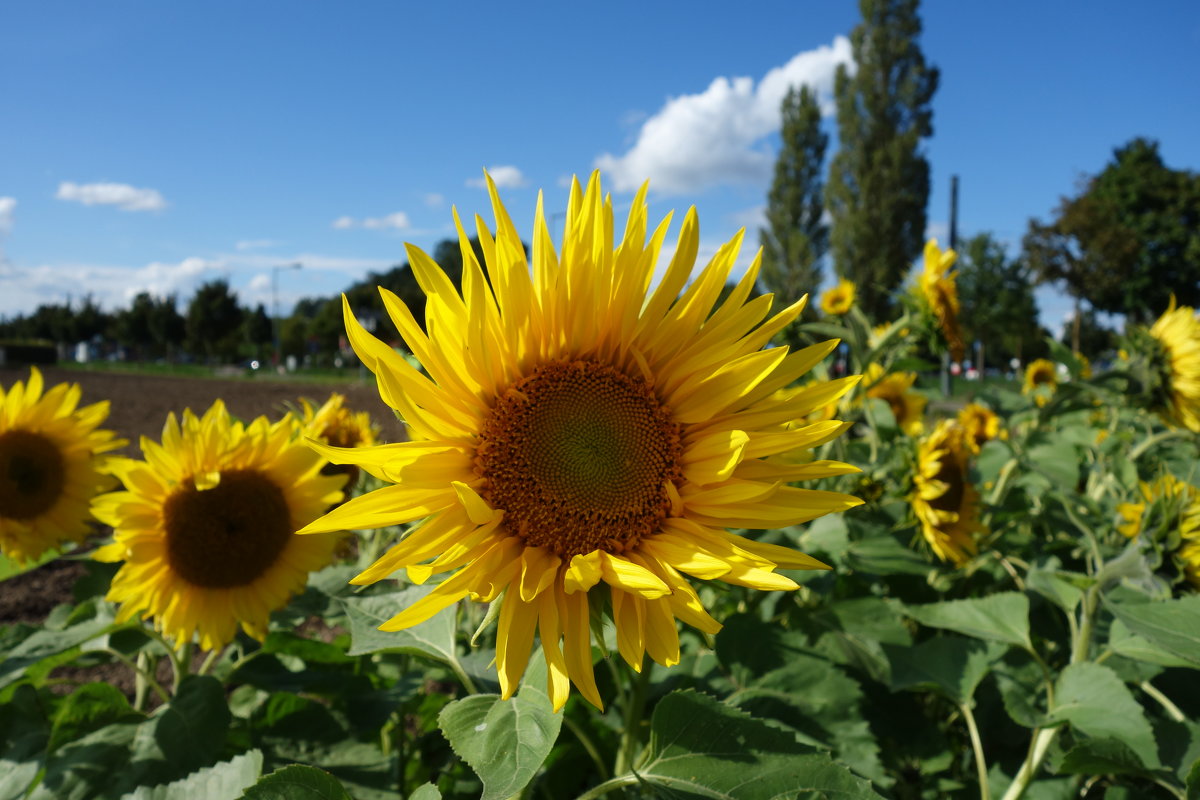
(1128, 241)
(879, 179)
(257, 329)
(796, 237)
(996, 303)
(214, 321)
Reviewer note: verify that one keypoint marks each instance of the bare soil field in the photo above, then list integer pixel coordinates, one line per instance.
(139, 407)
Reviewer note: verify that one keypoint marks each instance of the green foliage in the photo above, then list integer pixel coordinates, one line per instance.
(214, 321)
(996, 302)
(879, 178)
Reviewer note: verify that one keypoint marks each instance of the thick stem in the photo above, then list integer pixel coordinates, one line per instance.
(608, 786)
(977, 746)
(1041, 743)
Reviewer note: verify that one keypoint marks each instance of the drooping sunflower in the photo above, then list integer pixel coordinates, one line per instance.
(1178, 333)
(582, 438)
(51, 465)
(335, 424)
(1041, 380)
(206, 525)
(980, 425)
(1185, 499)
(944, 499)
(939, 290)
(895, 389)
(839, 299)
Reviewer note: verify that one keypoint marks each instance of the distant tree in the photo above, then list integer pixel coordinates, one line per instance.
(879, 178)
(996, 302)
(1094, 339)
(257, 329)
(796, 237)
(168, 329)
(214, 321)
(1128, 240)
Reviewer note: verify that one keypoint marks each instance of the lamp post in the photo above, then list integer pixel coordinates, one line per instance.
(275, 302)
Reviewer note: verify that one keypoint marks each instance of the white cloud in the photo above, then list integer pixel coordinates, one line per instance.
(260, 282)
(718, 136)
(121, 195)
(256, 244)
(395, 221)
(435, 200)
(7, 206)
(504, 176)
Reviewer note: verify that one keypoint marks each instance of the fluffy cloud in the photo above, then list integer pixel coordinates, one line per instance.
(121, 195)
(7, 206)
(397, 221)
(435, 200)
(718, 136)
(504, 176)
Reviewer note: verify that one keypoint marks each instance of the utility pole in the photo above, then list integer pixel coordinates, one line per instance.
(275, 303)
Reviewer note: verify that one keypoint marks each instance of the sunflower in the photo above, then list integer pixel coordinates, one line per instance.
(1041, 379)
(1183, 497)
(940, 293)
(337, 425)
(206, 525)
(895, 389)
(944, 499)
(980, 425)
(584, 441)
(1178, 333)
(51, 465)
(839, 299)
(1084, 370)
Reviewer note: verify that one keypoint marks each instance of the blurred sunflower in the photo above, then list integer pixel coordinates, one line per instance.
(980, 425)
(895, 390)
(51, 465)
(336, 425)
(1184, 501)
(1178, 334)
(940, 293)
(839, 299)
(944, 499)
(1041, 379)
(1085, 366)
(206, 525)
(579, 429)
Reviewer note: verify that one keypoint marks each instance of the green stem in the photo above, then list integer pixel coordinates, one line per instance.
(588, 745)
(634, 710)
(977, 746)
(608, 786)
(1042, 739)
(210, 660)
(1002, 481)
(1151, 441)
(1164, 701)
(462, 676)
(143, 680)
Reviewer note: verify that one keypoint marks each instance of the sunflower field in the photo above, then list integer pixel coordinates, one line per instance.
(642, 540)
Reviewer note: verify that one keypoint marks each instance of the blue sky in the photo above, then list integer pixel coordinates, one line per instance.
(154, 146)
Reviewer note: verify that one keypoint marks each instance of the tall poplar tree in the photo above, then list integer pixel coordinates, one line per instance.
(879, 179)
(796, 238)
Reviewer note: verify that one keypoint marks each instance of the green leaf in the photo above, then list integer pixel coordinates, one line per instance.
(952, 665)
(434, 638)
(426, 791)
(88, 708)
(1193, 781)
(1097, 704)
(1044, 580)
(1058, 461)
(1102, 757)
(1126, 643)
(46, 643)
(504, 741)
(884, 555)
(1021, 683)
(224, 781)
(701, 748)
(1170, 624)
(80, 769)
(24, 731)
(857, 630)
(1001, 617)
(297, 782)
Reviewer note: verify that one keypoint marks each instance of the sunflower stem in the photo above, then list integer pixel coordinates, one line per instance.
(634, 710)
(142, 678)
(606, 787)
(588, 745)
(212, 659)
(1145, 444)
(977, 746)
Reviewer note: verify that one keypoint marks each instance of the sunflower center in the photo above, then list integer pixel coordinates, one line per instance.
(579, 456)
(32, 474)
(951, 474)
(230, 534)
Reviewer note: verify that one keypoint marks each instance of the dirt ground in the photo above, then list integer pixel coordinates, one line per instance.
(140, 404)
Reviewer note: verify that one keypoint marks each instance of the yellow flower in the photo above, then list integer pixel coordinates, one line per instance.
(1187, 499)
(51, 464)
(940, 292)
(1178, 331)
(583, 438)
(907, 406)
(1041, 379)
(337, 425)
(206, 525)
(980, 425)
(839, 299)
(944, 499)
(1085, 365)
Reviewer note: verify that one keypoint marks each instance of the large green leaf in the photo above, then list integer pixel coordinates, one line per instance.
(1170, 624)
(884, 555)
(1002, 617)
(952, 665)
(224, 781)
(434, 638)
(857, 630)
(88, 708)
(46, 643)
(1127, 643)
(426, 791)
(24, 731)
(504, 741)
(1102, 757)
(1097, 704)
(702, 748)
(296, 782)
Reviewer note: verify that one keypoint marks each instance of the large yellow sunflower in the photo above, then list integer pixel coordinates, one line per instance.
(51, 465)
(944, 499)
(580, 432)
(895, 389)
(1041, 380)
(940, 291)
(839, 299)
(206, 525)
(1178, 331)
(980, 425)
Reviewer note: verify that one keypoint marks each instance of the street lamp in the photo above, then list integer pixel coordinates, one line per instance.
(275, 302)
